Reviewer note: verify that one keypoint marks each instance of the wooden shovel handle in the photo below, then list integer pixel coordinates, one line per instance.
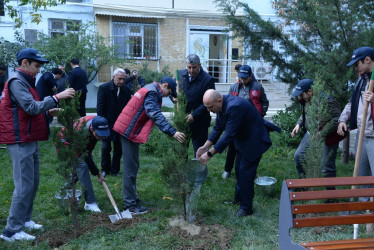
(109, 195)
(362, 131)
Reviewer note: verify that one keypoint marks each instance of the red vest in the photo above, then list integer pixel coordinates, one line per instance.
(16, 126)
(133, 122)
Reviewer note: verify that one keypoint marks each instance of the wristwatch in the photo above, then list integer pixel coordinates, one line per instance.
(209, 154)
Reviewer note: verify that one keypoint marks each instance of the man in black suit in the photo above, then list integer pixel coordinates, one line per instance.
(194, 81)
(46, 85)
(112, 97)
(78, 80)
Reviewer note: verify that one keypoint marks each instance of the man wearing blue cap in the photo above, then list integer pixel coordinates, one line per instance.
(304, 91)
(363, 61)
(249, 89)
(98, 129)
(22, 126)
(134, 124)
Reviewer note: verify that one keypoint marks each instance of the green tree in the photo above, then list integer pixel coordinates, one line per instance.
(175, 171)
(70, 143)
(314, 38)
(15, 14)
(83, 42)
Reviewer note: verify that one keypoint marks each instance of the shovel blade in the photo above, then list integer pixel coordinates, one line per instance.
(124, 215)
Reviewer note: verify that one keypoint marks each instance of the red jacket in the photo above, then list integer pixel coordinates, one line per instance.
(133, 122)
(16, 126)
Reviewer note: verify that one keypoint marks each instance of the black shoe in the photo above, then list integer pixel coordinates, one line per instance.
(233, 202)
(135, 210)
(242, 212)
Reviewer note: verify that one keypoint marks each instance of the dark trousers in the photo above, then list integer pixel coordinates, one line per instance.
(82, 104)
(199, 135)
(245, 172)
(230, 158)
(107, 164)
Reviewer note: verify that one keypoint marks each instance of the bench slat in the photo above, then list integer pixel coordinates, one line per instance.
(331, 194)
(323, 182)
(341, 244)
(332, 207)
(333, 220)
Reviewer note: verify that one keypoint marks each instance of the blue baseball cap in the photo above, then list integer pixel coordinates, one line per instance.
(361, 53)
(100, 125)
(302, 86)
(245, 71)
(30, 53)
(171, 83)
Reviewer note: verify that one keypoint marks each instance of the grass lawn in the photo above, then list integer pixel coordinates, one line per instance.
(219, 227)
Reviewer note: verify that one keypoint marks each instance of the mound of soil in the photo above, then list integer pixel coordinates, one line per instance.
(200, 236)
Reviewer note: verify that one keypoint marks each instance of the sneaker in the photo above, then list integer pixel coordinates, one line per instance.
(138, 209)
(92, 207)
(226, 175)
(104, 174)
(7, 236)
(32, 225)
(16, 236)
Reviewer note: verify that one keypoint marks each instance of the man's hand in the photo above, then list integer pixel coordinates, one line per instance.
(369, 97)
(100, 178)
(342, 128)
(190, 119)
(53, 112)
(201, 151)
(204, 158)
(66, 94)
(295, 130)
(179, 136)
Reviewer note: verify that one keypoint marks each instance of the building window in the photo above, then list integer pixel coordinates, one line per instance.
(31, 35)
(136, 40)
(59, 27)
(2, 6)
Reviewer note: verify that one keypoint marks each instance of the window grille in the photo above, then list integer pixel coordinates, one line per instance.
(137, 40)
(60, 27)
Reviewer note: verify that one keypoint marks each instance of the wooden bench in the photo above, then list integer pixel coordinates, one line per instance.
(302, 205)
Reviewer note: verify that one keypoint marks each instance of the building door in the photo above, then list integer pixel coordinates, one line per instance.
(212, 48)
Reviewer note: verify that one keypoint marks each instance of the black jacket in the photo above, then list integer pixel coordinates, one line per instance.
(108, 104)
(78, 79)
(194, 90)
(45, 85)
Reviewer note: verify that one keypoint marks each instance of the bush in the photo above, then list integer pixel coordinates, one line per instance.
(286, 120)
(152, 75)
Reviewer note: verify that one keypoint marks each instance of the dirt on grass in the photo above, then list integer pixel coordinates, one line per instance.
(191, 236)
(200, 236)
(57, 238)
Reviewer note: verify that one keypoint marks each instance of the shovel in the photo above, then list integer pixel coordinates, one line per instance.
(119, 215)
